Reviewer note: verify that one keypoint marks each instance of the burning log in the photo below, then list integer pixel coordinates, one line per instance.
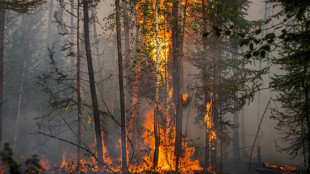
(269, 168)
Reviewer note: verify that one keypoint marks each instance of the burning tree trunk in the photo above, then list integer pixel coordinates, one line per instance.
(156, 112)
(78, 75)
(177, 75)
(215, 105)
(92, 83)
(207, 151)
(2, 22)
(121, 88)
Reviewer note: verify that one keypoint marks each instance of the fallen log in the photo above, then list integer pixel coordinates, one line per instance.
(269, 168)
(287, 168)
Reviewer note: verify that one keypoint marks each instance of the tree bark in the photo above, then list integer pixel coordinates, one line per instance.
(156, 112)
(2, 23)
(177, 75)
(128, 64)
(78, 75)
(121, 88)
(92, 83)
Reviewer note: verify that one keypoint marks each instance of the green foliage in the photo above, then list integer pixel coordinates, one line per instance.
(292, 43)
(32, 165)
(21, 6)
(234, 83)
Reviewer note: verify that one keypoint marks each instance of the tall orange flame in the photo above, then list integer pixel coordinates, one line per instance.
(210, 129)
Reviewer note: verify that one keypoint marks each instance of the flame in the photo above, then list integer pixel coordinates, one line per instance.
(87, 164)
(166, 158)
(166, 129)
(210, 129)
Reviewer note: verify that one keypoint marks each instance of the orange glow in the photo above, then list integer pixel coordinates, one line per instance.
(211, 131)
(166, 130)
(87, 164)
(45, 164)
(185, 98)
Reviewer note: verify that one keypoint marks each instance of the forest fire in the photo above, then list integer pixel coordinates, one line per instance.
(154, 86)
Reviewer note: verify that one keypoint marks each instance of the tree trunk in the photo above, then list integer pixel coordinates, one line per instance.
(259, 158)
(92, 83)
(2, 23)
(243, 144)
(49, 24)
(126, 28)
(135, 89)
(128, 64)
(206, 91)
(307, 112)
(121, 88)
(177, 75)
(26, 20)
(99, 67)
(99, 64)
(236, 139)
(222, 141)
(236, 151)
(156, 112)
(78, 75)
(72, 27)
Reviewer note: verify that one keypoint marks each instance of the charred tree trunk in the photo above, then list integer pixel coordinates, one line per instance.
(92, 83)
(121, 88)
(177, 75)
(2, 23)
